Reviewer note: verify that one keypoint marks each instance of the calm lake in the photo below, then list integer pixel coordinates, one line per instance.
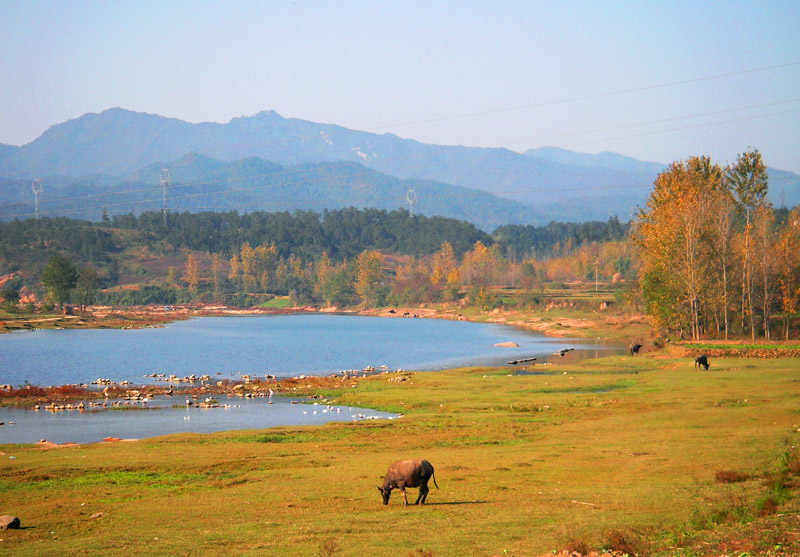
(227, 347)
(281, 345)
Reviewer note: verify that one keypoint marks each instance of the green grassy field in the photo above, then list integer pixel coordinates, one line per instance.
(618, 452)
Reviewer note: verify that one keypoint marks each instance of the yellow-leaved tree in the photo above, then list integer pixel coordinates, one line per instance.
(676, 270)
(191, 273)
(368, 276)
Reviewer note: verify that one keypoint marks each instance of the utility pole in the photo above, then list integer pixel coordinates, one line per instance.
(595, 275)
(37, 189)
(411, 196)
(165, 183)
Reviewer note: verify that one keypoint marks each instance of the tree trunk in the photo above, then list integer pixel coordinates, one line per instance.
(749, 278)
(725, 293)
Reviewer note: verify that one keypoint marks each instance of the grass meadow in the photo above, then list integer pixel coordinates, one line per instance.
(645, 455)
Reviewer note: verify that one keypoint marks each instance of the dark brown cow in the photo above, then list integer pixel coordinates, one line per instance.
(701, 361)
(408, 473)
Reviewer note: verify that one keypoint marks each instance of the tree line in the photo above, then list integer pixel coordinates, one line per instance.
(341, 233)
(371, 279)
(711, 256)
(109, 246)
(715, 256)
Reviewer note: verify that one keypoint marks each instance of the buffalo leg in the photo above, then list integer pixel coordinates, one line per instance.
(423, 494)
(403, 491)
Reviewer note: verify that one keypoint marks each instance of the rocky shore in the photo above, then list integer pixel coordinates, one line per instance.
(104, 393)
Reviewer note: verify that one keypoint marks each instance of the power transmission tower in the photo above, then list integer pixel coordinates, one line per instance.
(411, 196)
(165, 183)
(37, 189)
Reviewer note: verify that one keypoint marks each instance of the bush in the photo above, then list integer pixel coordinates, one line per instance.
(624, 542)
(577, 546)
(766, 506)
(730, 477)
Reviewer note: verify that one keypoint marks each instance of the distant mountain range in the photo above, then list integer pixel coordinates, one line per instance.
(199, 183)
(270, 162)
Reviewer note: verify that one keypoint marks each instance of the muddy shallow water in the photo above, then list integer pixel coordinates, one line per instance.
(159, 417)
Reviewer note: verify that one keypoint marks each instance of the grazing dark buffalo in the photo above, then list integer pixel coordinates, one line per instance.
(701, 361)
(408, 473)
(634, 348)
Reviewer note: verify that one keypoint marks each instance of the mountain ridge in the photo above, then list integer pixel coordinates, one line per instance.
(556, 183)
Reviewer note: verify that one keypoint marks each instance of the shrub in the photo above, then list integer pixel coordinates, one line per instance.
(766, 506)
(577, 546)
(624, 542)
(791, 461)
(730, 477)
(328, 547)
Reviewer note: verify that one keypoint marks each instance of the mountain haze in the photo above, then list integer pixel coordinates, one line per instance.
(200, 183)
(119, 145)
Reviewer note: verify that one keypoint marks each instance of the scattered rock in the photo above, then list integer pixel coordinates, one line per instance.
(98, 515)
(9, 522)
(508, 344)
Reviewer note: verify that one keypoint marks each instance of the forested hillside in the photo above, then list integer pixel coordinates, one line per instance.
(197, 183)
(314, 258)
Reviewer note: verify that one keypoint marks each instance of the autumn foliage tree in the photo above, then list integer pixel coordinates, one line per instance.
(706, 237)
(676, 268)
(368, 276)
(748, 183)
(788, 251)
(191, 273)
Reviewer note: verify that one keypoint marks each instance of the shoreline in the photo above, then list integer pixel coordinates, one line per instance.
(580, 325)
(561, 322)
(104, 317)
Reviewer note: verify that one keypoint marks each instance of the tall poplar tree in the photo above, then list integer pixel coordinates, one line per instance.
(748, 182)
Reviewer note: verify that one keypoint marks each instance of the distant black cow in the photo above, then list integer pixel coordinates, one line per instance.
(701, 361)
(634, 348)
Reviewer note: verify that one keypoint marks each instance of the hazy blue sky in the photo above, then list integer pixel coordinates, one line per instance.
(511, 74)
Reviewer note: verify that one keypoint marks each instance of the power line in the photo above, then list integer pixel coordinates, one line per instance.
(166, 182)
(310, 201)
(584, 98)
(742, 119)
(533, 105)
(398, 198)
(651, 122)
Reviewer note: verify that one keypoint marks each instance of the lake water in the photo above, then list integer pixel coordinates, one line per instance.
(227, 347)
(161, 418)
(280, 345)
